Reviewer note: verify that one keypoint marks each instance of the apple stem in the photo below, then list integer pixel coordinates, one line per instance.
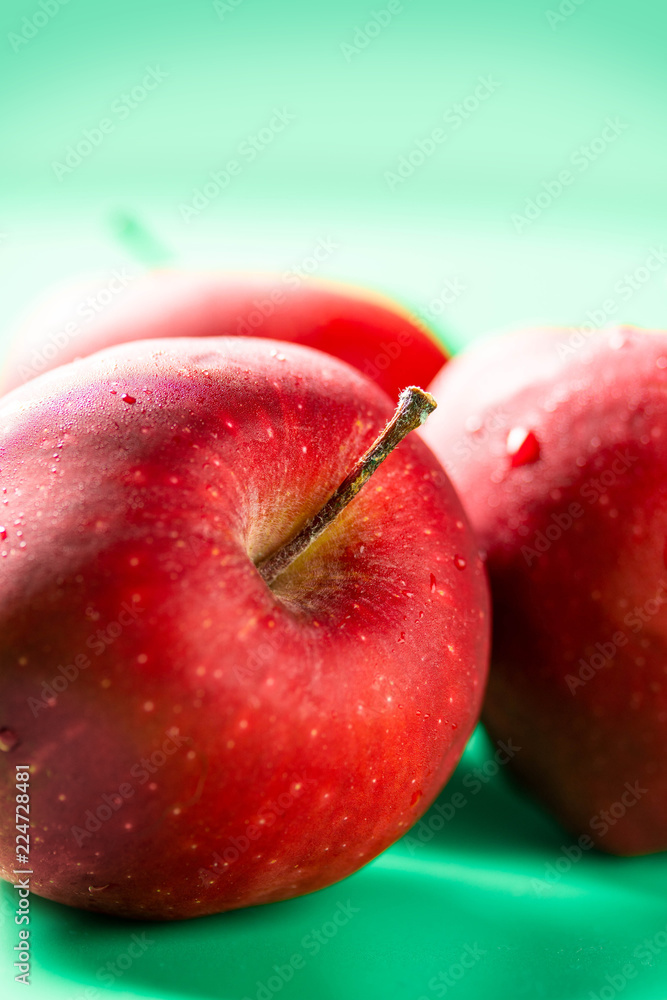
(414, 406)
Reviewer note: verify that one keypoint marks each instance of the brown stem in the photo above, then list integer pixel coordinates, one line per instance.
(414, 406)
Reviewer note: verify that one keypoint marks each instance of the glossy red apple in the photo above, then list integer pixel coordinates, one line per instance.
(197, 739)
(367, 330)
(558, 444)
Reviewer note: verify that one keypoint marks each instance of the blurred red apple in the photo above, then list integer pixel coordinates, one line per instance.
(369, 331)
(199, 740)
(557, 442)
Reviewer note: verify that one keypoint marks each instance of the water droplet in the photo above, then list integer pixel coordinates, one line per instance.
(401, 638)
(434, 583)
(127, 398)
(522, 446)
(3, 533)
(97, 888)
(416, 796)
(460, 562)
(8, 739)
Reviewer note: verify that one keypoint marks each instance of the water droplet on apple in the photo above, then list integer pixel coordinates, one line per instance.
(523, 447)
(128, 399)
(3, 533)
(416, 796)
(460, 562)
(97, 888)
(8, 739)
(401, 637)
(434, 583)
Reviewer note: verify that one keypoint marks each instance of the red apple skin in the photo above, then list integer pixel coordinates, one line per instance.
(367, 330)
(577, 677)
(317, 720)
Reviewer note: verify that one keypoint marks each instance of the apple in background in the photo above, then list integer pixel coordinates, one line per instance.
(198, 739)
(557, 443)
(367, 330)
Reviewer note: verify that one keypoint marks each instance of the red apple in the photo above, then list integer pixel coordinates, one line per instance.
(369, 331)
(558, 444)
(197, 739)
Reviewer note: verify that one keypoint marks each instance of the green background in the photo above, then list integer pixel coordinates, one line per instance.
(451, 224)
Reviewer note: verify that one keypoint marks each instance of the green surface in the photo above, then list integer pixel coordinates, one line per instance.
(487, 878)
(447, 242)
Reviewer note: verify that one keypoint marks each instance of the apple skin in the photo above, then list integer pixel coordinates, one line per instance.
(367, 330)
(580, 634)
(321, 716)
